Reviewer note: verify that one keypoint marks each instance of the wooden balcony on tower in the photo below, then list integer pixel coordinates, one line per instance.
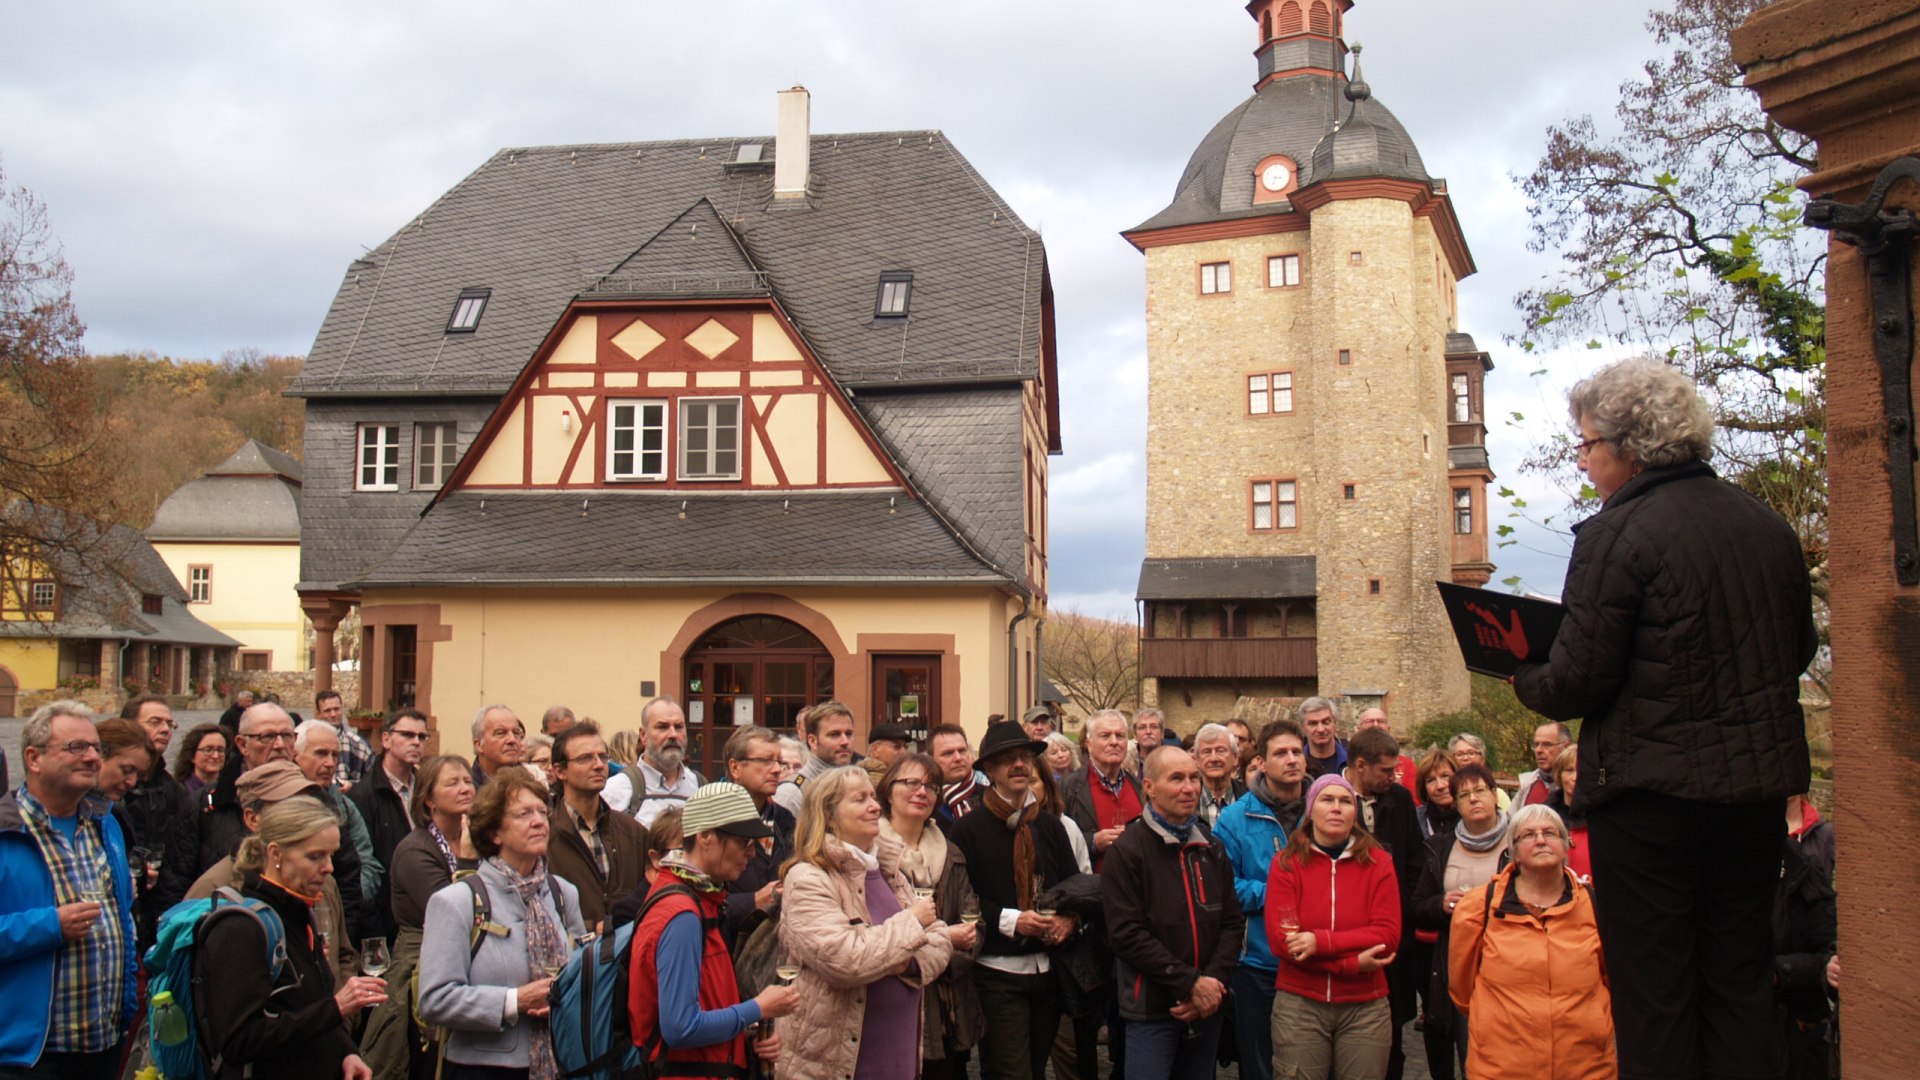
(1229, 658)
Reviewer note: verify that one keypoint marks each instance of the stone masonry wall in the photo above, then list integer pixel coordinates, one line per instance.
(1377, 423)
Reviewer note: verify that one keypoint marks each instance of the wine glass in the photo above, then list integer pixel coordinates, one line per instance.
(1288, 917)
(374, 957)
(970, 909)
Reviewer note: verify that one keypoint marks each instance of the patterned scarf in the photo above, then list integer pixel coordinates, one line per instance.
(446, 849)
(1019, 821)
(1113, 787)
(545, 946)
(1182, 832)
(1483, 842)
(675, 862)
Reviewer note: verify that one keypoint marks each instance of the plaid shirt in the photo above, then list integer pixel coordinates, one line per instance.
(591, 835)
(87, 990)
(356, 757)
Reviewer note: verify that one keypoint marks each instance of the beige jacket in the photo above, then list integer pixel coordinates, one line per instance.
(823, 924)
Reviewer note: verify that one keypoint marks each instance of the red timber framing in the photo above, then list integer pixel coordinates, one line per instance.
(614, 374)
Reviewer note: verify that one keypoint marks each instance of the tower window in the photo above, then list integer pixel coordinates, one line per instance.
(1462, 400)
(1276, 505)
(1258, 403)
(1373, 586)
(896, 288)
(1346, 356)
(1270, 394)
(1320, 19)
(1463, 510)
(1291, 21)
(1216, 278)
(467, 309)
(1356, 258)
(1283, 271)
(1348, 492)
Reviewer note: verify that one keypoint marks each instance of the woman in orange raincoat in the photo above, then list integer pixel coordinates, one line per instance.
(1525, 965)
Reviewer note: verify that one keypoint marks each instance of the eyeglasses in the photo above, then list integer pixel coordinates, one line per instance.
(169, 725)
(212, 751)
(913, 785)
(79, 747)
(1532, 835)
(763, 762)
(1585, 446)
(271, 736)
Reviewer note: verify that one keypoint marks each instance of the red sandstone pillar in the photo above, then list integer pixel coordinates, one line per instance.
(1849, 76)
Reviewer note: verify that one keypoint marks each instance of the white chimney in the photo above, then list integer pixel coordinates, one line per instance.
(792, 144)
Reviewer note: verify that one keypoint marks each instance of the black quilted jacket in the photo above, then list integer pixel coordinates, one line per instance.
(1689, 621)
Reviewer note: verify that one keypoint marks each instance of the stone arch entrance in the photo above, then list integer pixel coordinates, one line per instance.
(9, 693)
(752, 669)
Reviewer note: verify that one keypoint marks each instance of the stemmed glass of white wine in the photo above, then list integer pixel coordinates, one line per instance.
(970, 909)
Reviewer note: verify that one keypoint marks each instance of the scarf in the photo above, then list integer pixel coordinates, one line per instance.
(1288, 813)
(1182, 832)
(922, 862)
(545, 946)
(1486, 841)
(675, 862)
(1019, 821)
(446, 849)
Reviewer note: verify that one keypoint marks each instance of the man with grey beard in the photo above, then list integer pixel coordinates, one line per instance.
(664, 778)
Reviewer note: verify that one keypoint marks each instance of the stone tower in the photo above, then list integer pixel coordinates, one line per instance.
(1315, 442)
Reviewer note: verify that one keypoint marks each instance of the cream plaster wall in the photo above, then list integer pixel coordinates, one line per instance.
(253, 596)
(35, 666)
(591, 650)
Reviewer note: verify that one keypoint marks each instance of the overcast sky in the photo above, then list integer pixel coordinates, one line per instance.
(212, 167)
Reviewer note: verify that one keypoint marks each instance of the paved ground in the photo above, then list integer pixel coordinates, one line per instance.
(1416, 1063)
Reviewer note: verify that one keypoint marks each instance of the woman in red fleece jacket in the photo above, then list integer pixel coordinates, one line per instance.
(1333, 914)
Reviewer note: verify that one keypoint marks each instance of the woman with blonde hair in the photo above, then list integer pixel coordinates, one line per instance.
(866, 947)
(296, 1025)
(1525, 964)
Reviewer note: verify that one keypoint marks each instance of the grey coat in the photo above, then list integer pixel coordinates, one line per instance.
(472, 998)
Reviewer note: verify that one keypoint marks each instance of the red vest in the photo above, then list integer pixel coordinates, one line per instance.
(717, 988)
(1111, 812)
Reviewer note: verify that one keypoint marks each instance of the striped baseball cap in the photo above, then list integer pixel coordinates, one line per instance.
(722, 807)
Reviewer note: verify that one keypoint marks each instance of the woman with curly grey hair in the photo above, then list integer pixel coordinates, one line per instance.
(1688, 623)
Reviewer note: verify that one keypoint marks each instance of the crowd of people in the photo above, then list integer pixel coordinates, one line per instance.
(1652, 899)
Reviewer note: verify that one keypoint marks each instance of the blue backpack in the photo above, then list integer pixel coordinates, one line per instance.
(592, 1037)
(171, 966)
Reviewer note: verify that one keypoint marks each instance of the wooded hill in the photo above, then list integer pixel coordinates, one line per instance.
(172, 420)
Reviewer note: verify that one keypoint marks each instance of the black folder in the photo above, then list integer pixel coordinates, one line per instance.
(1500, 631)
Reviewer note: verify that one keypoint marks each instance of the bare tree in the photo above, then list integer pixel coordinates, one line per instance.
(1095, 661)
(58, 456)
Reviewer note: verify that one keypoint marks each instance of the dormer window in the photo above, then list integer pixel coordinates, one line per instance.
(150, 604)
(467, 309)
(896, 288)
(42, 595)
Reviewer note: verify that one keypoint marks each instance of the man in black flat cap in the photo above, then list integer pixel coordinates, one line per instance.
(1015, 852)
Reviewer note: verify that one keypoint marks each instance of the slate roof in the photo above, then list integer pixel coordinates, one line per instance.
(632, 537)
(1287, 116)
(542, 226)
(1273, 578)
(103, 571)
(536, 225)
(253, 495)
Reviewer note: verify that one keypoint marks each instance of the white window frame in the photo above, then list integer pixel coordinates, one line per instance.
(1460, 388)
(1281, 501)
(1216, 278)
(687, 430)
(1259, 399)
(446, 453)
(1462, 511)
(383, 440)
(1275, 380)
(625, 414)
(1283, 271)
(200, 584)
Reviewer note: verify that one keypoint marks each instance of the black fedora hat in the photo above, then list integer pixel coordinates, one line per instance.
(1007, 736)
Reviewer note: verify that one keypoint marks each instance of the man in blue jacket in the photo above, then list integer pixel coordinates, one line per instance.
(66, 910)
(1254, 829)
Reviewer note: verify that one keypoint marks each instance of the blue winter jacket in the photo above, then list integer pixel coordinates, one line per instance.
(30, 937)
(1253, 835)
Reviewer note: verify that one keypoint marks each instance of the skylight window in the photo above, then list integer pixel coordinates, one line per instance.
(896, 289)
(467, 311)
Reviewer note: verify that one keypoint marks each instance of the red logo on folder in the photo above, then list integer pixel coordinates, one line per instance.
(1511, 640)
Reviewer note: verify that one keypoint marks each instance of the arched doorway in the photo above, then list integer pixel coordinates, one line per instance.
(9, 693)
(756, 669)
